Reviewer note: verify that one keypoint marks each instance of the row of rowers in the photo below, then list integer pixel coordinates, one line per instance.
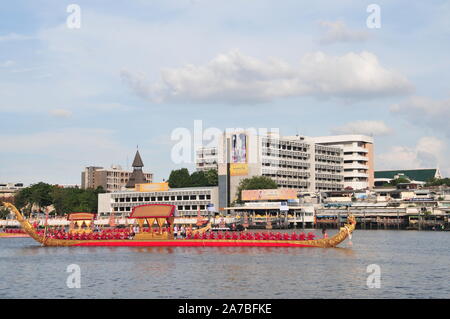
(160, 221)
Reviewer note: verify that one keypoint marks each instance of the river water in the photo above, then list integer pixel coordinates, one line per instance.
(412, 265)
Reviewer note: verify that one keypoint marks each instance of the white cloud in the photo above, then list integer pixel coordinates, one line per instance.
(237, 78)
(364, 127)
(338, 32)
(6, 64)
(425, 111)
(429, 152)
(62, 113)
(14, 37)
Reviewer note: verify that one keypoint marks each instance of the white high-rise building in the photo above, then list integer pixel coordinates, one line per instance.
(206, 158)
(358, 158)
(291, 161)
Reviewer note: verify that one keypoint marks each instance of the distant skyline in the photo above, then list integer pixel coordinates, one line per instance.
(135, 71)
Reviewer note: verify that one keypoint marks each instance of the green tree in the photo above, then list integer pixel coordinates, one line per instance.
(438, 182)
(64, 200)
(69, 200)
(198, 179)
(255, 182)
(23, 198)
(179, 178)
(38, 194)
(41, 194)
(212, 177)
(182, 178)
(4, 212)
(399, 180)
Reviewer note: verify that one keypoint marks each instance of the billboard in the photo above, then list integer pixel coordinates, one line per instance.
(151, 187)
(238, 165)
(269, 194)
(239, 169)
(239, 148)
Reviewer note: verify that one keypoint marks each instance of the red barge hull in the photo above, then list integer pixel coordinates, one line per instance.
(192, 243)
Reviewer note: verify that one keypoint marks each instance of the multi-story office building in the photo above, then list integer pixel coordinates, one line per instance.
(206, 158)
(291, 161)
(358, 158)
(115, 178)
(189, 201)
(8, 190)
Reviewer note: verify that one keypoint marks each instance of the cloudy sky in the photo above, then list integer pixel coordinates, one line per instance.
(134, 71)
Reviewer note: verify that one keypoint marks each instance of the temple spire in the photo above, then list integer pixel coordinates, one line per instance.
(138, 160)
(137, 176)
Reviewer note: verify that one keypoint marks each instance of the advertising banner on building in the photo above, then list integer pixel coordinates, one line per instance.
(152, 187)
(238, 165)
(239, 148)
(269, 194)
(239, 169)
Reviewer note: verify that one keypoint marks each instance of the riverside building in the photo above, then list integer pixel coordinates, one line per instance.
(358, 158)
(189, 201)
(294, 162)
(115, 178)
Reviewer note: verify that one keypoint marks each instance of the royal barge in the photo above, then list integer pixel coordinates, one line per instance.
(154, 225)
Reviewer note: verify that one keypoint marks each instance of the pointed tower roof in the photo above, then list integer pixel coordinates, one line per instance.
(137, 176)
(138, 160)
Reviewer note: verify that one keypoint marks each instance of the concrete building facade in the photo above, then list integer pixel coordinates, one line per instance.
(291, 161)
(112, 180)
(358, 156)
(8, 190)
(189, 201)
(206, 158)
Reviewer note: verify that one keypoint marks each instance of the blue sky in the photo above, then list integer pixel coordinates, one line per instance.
(137, 70)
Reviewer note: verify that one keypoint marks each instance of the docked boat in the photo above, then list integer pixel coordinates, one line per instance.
(154, 227)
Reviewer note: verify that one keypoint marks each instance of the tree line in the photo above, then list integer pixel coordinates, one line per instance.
(68, 200)
(182, 178)
(438, 182)
(64, 200)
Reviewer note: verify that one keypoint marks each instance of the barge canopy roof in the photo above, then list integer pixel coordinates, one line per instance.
(154, 211)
